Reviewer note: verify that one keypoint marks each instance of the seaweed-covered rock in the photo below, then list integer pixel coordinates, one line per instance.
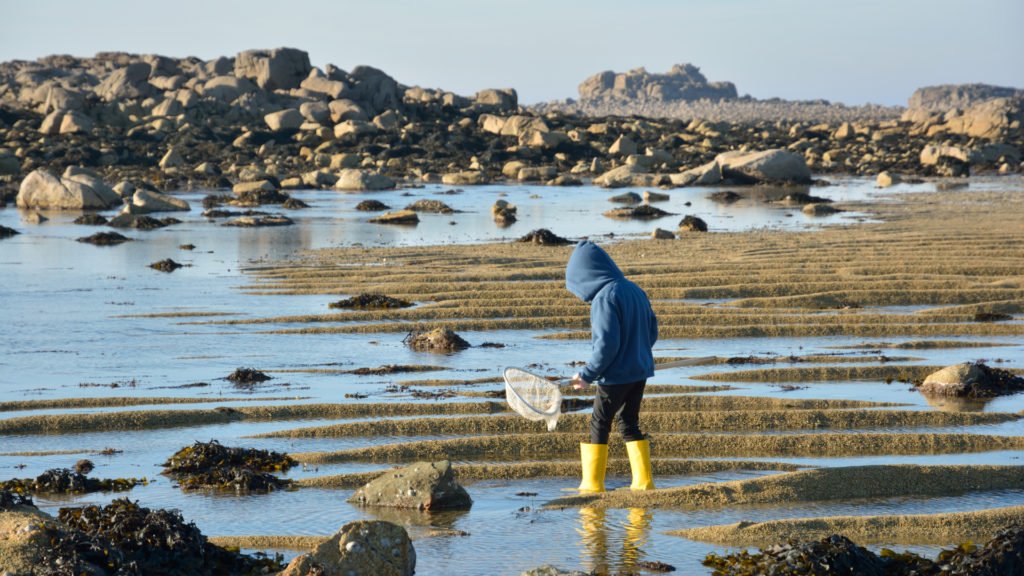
(691, 223)
(105, 239)
(437, 340)
(544, 237)
(432, 206)
(211, 465)
(9, 500)
(294, 204)
(831, 555)
(124, 538)
(67, 481)
(140, 222)
(91, 219)
(504, 213)
(1003, 554)
(361, 547)
(423, 485)
(6, 232)
(370, 302)
(802, 199)
(166, 265)
(372, 206)
(971, 380)
(247, 377)
(725, 197)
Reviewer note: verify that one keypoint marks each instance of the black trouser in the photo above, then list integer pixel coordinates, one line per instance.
(622, 400)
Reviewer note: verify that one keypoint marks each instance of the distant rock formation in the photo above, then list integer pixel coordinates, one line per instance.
(949, 96)
(683, 82)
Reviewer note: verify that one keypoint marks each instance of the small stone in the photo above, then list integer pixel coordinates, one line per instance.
(660, 234)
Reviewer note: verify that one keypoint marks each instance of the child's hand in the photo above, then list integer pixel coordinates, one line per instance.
(578, 383)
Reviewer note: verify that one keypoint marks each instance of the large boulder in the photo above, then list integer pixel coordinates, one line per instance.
(287, 119)
(131, 81)
(362, 547)
(77, 189)
(355, 179)
(146, 202)
(971, 380)
(497, 100)
(423, 485)
(765, 166)
(277, 69)
(629, 175)
(227, 88)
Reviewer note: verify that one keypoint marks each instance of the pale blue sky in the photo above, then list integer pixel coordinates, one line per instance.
(850, 51)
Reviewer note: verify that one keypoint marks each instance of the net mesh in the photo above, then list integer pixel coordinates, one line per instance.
(533, 397)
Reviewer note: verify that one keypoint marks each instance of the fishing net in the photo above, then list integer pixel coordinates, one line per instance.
(533, 397)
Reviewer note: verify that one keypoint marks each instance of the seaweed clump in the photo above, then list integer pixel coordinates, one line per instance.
(124, 538)
(105, 239)
(1003, 554)
(370, 301)
(211, 465)
(67, 481)
(247, 377)
(10, 500)
(544, 237)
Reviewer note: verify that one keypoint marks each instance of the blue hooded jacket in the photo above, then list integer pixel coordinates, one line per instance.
(623, 326)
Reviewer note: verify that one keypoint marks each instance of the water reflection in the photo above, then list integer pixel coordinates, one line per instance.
(610, 546)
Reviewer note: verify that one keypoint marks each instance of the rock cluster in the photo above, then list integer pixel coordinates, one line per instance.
(681, 82)
(948, 96)
(266, 121)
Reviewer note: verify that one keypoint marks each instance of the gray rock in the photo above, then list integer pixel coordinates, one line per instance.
(766, 166)
(76, 190)
(147, 202)
(75, 122)
(354, 179)
(287, 119)
(277, 69)
(345, 109)
(660, 234)
(132, 81)
(503, 100)
(227, 88)
(315, 112)
(549, 570)
(423, 485)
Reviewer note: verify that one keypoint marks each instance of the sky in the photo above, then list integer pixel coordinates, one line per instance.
(854, 52)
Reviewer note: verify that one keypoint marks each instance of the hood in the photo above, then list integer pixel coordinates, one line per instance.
(590, 268)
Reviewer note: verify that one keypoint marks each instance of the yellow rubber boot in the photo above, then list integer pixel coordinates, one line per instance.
(594, 458)
(639, 453)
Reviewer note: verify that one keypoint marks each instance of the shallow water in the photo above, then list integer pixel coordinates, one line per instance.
(70, 305)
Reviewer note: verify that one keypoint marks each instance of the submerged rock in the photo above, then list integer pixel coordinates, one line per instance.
(166, 265)
(725, 197)
(819, 209)
(105, 239)
(259, 221)
(971, 380)
(128, 220)
(504, 212)
(361, 547)
(423, 485)
(436, 340)
(432, 206)
(642, 212)
(372, 206)
(90, 220)
(247, 376)
(399, 217)
(627, 198)
(692, 223)
(370, 302)
(211, 465)
(544, 237)
(6, 232)
(549, 570)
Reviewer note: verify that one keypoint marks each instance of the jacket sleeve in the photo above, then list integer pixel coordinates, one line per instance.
(605, 338)
(654, 327)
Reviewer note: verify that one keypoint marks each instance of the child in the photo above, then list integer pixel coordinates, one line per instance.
(623, 329)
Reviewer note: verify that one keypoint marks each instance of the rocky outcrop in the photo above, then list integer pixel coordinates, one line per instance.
(681, 82)
(423, 486)
(948, 96)
(76, 189)
(361, 547)
(277, 69)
